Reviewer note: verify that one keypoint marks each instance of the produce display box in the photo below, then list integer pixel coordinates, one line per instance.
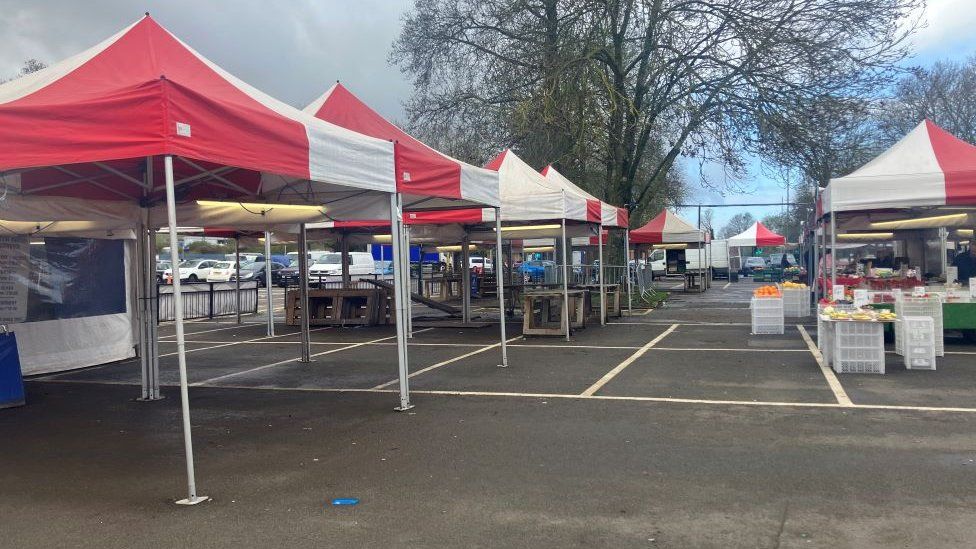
(919, 344)
(930, 306)
(858, 347)
(796, 301)
(767, 315)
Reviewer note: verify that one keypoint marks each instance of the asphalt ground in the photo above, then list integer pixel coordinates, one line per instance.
(674, 428)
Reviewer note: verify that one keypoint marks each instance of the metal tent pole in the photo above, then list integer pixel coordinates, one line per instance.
(405, 230)
(192, 498)
(630, 286)
(267, 281)
(816, 262)
(603, 289)
(344, 261)
(400, 294)
(152, 321)
(141, 286)
(237, 275)
(944, 261)
(565, 279)
(466, 279)
(303, 293)
(833, 251)
(500, 282)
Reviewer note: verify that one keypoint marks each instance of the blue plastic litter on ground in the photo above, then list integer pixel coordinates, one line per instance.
(345, 501)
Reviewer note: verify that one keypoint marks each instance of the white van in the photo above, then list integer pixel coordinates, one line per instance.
(313, 257)
(330, 264)
(717, 257)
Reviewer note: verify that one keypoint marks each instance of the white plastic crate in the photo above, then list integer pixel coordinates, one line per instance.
(919, 342)
(858, 348)
(767, 315)
(823, 333)
(906, 306)
(796, 302)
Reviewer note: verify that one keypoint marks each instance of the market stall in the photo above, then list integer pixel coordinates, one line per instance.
(920, 196)
(143, 121)
(450, 194)
(673, 234)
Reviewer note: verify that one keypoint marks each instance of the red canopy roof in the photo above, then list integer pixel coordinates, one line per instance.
(420, 169)
(84, 127)
(666, 227)
(757, 235)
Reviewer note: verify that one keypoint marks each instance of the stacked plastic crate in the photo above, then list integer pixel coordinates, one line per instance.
(919, 343)
(796, 302)
(931, 306)
(825, 340)
(858, 347)
(767, 315)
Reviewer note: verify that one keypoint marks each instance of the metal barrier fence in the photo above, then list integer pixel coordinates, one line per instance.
(207, 299)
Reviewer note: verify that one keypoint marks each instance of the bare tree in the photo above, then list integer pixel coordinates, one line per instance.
(616, 91)
(737, 223)
(943, 93)
(30, 65)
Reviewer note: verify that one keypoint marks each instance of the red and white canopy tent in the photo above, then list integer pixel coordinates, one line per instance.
(669, 230)
(597, 211)
(142, 119)
(927, 180)
(452, 192)
(757, 235)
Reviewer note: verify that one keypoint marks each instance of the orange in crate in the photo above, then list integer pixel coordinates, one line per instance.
(766, 291)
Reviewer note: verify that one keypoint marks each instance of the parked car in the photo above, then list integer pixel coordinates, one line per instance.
(255, 271)
(478, 264)
(192, 270)
(330, 264)
(222, 271)
(752, 264)
(776, 260)
(161, 267)
(536, 269)
(288, 276)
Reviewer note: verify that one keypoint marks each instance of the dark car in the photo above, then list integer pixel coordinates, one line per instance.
(287, 276)
(255, 271)
(535, 271)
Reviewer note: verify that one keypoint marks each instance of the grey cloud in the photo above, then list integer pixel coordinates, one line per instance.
(292, 50)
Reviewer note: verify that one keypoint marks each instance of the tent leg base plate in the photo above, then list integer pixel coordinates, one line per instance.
(149, 399)
(404, 408)
(193, 500)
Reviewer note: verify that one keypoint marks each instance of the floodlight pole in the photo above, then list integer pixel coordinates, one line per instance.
(500, 282)
(303, 294)
(267, 282)
(603, 290)
(401, 279)
(192, 498)
(630, 287)
(565, 279)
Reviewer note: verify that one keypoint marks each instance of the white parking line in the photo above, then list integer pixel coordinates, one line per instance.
(289, 361)
(230, 343)
(727, 284)
(627, 362)
(664, 400)
(234, 327)
(446, 362)
(839, 393)
(729, 350)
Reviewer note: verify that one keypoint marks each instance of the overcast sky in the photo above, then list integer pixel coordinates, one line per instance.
(296, 49)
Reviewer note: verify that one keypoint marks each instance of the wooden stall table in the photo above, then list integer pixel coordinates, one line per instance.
(613, 299)
(442, 287)
(338, 307)
(695, 281)
(542, 312)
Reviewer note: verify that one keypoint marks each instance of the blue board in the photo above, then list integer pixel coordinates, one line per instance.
(11, 380)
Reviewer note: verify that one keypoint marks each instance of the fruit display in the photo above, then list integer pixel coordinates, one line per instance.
(767, 291)
(861, 315)
(794, 285)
